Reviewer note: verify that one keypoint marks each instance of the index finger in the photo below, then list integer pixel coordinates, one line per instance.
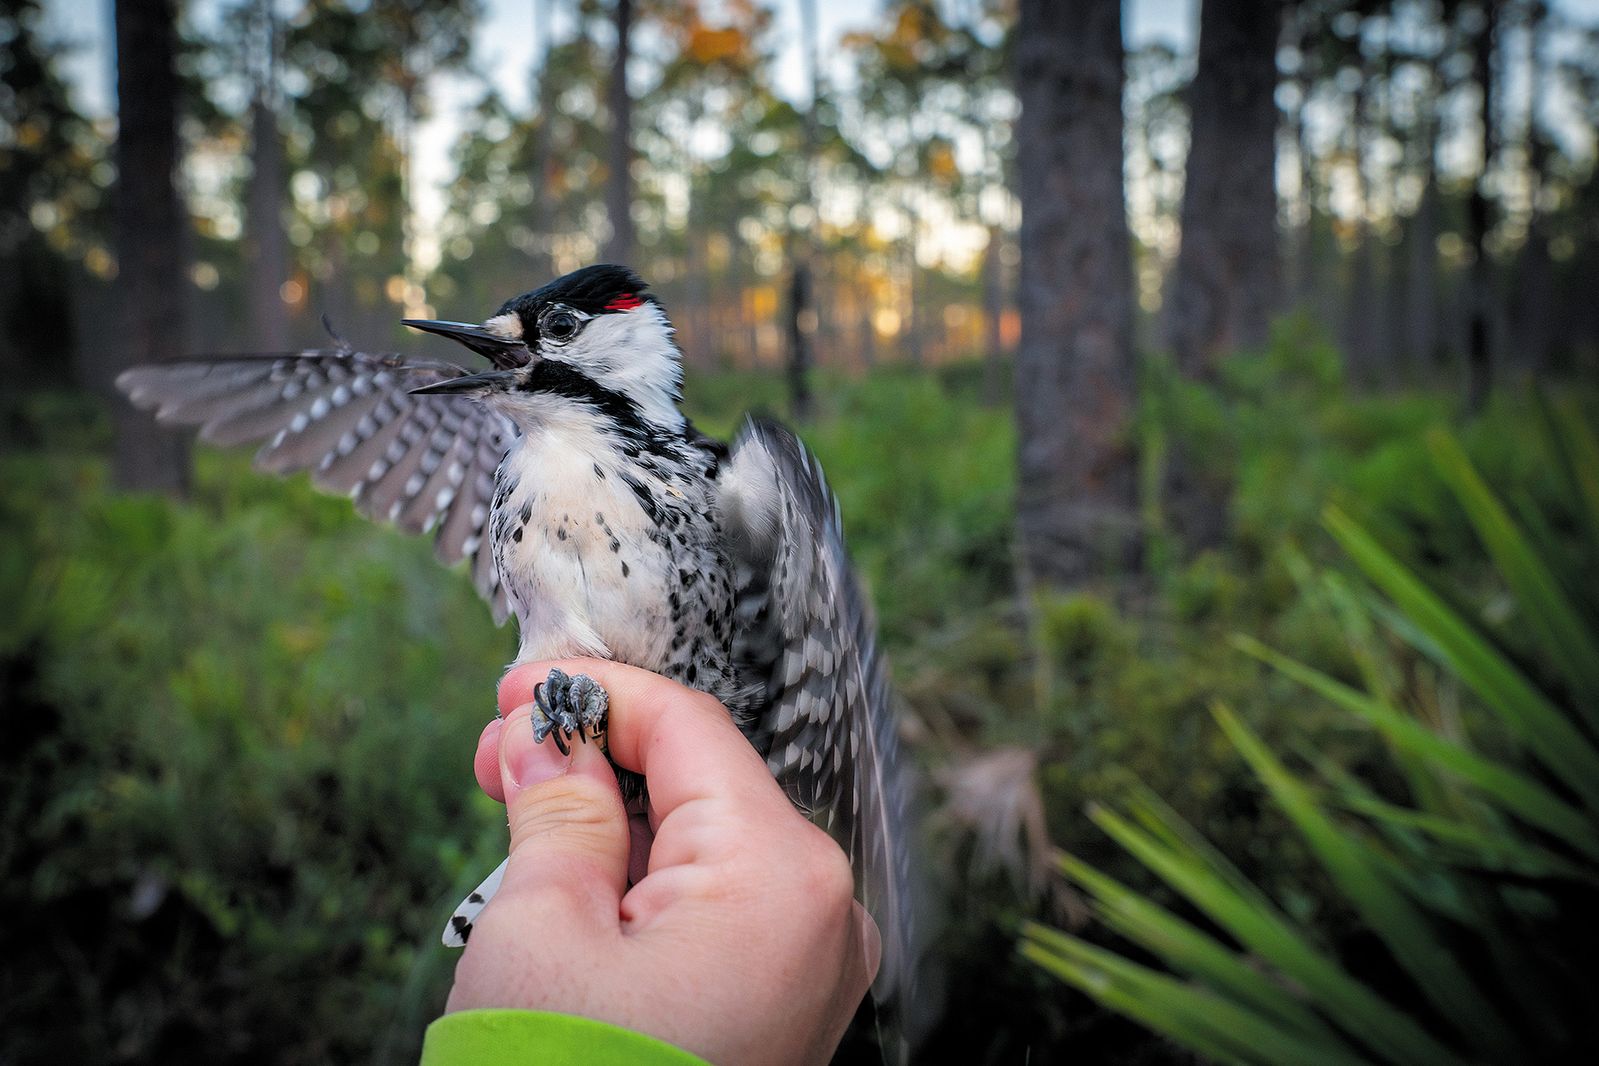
(682, 740)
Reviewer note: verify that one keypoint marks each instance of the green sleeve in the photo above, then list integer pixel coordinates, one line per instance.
(492, 1037)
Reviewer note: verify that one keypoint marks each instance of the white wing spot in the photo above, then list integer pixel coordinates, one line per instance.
(785, 717)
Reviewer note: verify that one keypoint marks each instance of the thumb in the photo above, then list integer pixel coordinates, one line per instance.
(569, 831)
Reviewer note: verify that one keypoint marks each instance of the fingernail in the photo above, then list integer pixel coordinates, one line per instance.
(528, 761)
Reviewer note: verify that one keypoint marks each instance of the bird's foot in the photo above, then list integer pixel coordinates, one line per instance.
(567, 705)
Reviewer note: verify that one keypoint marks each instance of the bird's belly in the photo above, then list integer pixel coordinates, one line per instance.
(583, 583)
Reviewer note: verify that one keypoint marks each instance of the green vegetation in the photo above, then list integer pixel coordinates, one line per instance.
(1468, 859)
(234, 764)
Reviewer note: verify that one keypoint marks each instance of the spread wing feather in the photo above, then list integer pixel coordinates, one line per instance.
(421, 462)
(826, 724)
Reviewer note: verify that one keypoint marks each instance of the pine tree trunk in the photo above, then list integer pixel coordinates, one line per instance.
(1533, 324)
(993, 314)
(1479, 335)
(619, 248)
(802, 245)
(1305, 290)
(1421, 240)
(1225, 288)
(152, 288)
(1076, 507)
(541, 158)
(800, 315)
(1225, 285)
(1360, 330)
(266, 250)
(914, 312)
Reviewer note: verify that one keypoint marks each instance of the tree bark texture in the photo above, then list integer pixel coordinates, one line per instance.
(1532, 310)
(1076, 506)
(619, 185)
(267, 250)
(993, 312)
(153, 291)
(1361, 327)
(1479, 220)
(540, 155)
(802, 316)
(1421, 241)
(1226, 279)
(1225, 284)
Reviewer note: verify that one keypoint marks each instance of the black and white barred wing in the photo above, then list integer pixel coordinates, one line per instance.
(420, 462)
(827, 725)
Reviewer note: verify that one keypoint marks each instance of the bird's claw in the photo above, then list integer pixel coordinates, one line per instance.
(567, 705)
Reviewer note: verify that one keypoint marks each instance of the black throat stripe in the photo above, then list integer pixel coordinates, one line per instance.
(563, 379)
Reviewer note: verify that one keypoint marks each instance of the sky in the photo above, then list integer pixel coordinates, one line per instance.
(506, 46)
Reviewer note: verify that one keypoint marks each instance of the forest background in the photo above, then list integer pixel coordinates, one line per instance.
(1114, 349)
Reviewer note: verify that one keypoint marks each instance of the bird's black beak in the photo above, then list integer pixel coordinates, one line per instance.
(488, 381)
(504, 352)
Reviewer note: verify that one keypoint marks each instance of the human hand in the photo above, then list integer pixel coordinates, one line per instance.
(740, 941)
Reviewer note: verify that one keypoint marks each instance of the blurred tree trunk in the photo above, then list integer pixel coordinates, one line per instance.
(1388, 264)
(1424, 351)
(151, 283)
(39, 314)
(1305, 289)
(868, 340)
(801, 321)
(267, 246)
(619, 247)
(1479, 336)
(801, 312)
(1361, 324)
(1225, 286)
(1533, 305)
(993, 314)
(541, 159)
(1421, 240)
(1076, 513)
(912, 323)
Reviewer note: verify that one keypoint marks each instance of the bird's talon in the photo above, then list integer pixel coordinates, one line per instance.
(570, 704)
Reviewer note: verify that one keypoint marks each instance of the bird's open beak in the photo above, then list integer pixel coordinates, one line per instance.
(488, 381)
(504, 352)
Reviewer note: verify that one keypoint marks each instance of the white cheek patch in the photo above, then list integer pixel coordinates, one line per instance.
(632, 353)
(507, 325)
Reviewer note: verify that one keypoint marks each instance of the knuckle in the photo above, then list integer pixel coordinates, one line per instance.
(826, 874)
(704, 703)
(572, 806)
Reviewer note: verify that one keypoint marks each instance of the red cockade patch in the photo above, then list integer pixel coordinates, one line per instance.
(625, 302)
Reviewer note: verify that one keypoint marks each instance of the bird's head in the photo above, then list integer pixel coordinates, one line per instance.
(593, 337)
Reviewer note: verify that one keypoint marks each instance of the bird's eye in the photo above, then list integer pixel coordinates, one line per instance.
(561, 326)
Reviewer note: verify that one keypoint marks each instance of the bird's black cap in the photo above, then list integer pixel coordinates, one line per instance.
(594, 290)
